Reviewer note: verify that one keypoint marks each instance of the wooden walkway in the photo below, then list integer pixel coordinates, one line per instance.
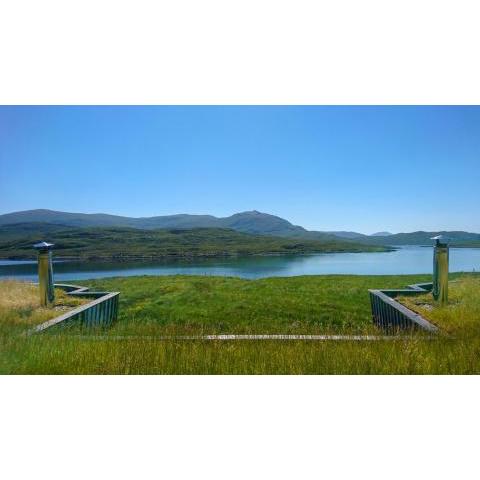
(349, 338)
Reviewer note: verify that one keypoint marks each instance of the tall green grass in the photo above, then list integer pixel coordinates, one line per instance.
(70, 355)
(210, 304)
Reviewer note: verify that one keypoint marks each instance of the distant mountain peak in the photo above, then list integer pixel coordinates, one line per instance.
(251, 212)
(381, 234)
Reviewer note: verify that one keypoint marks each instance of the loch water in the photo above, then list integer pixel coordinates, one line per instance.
(404, 260)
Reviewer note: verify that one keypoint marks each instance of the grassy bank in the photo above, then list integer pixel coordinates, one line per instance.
(159, 305)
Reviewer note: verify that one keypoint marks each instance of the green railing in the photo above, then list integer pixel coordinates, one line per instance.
(390, 315)
(102, 311)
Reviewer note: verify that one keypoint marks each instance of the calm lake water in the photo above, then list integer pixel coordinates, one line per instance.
(402, 261)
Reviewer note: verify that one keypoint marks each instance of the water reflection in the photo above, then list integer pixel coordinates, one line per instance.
(405, 260)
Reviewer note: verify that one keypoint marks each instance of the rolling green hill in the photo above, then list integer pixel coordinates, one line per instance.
(129, 243)
(464, 239)
(247, 222)
(252, 222)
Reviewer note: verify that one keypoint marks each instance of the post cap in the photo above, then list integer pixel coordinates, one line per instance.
(43, 246)
(440, 239)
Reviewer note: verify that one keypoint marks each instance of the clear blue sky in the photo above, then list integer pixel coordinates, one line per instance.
(325, 168)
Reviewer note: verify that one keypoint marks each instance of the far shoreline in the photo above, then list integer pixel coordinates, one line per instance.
(58, 258)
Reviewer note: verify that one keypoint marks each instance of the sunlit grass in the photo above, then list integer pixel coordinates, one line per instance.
(460, 315)
(188, 305)
(71, 355)
(20, 304)
(162, 305)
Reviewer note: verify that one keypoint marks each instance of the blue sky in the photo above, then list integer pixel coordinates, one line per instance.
(359, 168)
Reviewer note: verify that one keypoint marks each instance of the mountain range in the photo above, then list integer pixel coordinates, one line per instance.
(247, 222)
(251, 222)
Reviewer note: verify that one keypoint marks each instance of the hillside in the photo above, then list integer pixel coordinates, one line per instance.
(348, 235)
(261, 223)
(95, 243)
(464, 239)
(248, 222)
(252, 222)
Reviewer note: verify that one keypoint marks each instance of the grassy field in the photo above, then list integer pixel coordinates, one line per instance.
(159, 305)
(216, 305)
